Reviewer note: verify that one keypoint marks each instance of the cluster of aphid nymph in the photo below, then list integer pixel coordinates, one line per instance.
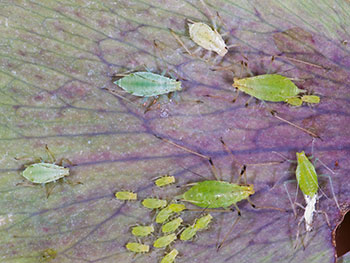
(209, 195)
(168, 223)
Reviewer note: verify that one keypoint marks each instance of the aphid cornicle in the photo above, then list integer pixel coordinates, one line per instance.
(126, 195)
(170, 257)
(147, 84)
(137, 247)
(44, 172)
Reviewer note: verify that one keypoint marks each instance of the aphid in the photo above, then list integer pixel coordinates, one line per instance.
(126, 195)
(137, 247)
(170, 257)
(154, 203)
(147, 84)
(268, 87)
(308, 183)
(48, 254)
(164, 180)
(203, 222)
(164, 241)
(188, 233)
(44, 172)
(172, 225)
(296, 101)
(208, 38)
(142, 231)
(166, 212)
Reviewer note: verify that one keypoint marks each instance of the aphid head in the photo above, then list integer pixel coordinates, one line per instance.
(301, 156)
(222, 52)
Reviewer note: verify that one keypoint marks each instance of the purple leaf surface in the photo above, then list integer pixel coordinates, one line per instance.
(58, 57)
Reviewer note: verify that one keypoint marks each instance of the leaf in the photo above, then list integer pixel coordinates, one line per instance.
(57, 58)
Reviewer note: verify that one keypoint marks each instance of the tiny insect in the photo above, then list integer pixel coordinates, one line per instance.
(154, 203)
(166, 212)
(296, 101)
(48, 254)
(172, 225)
(203, 222)
(164, 241)
(188, 233)
(308, 183)
(137, 247)
(44, 172)
(208, 38)
(269, 87)
(165, 180)
(170, 257)
(126, 195)
(142, 231)
(147, 84)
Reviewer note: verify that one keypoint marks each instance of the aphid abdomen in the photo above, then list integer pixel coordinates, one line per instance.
(147, 84)
(306, 175)
(42, 173)
(268, 87)
(215, 194)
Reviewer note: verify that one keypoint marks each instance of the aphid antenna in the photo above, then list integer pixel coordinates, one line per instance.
(211, 17)
(274, 113)
(50, 154)
(303, 62)
(192, 172)
(213, 168)
(289, 196)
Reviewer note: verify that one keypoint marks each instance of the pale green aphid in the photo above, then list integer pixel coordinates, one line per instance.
(170, 257)
(137, 247)
(45, 172)
(166, 212)
(42, 173)
(188, 233)
(172, 225)
(147, 84)
(165, 180)
(142, 231)
(126, 195)
(154, 203)
(164, 241)
(203, 222)
(270, 87)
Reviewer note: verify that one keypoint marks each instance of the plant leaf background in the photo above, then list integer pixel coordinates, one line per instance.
(56, 58)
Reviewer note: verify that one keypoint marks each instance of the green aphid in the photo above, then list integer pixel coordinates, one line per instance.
(172, 225)
(216, 194)
(126, 195)
(166, 212)
(147, 84)
(165, 180)
(306, 175)
(45, 172)
(142, 231)
(154, 203)
(203, 222)
(311, 99)
(137, 247)
(270, 87)
(164, 241)
(188, 233)
(48, 254)
(170, 257)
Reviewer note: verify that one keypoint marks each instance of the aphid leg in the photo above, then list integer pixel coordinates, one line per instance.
(303, 62)
(211, 17)
(264, 207)
(228, 233)
(298, 233)
(248, 101)
(289, 197)
(270, 65)
(148, 107)
(332, 190)
(50, 154)
(115, 93)
(274, 113)
(325, 217)
(229, 152)
(49, 189)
